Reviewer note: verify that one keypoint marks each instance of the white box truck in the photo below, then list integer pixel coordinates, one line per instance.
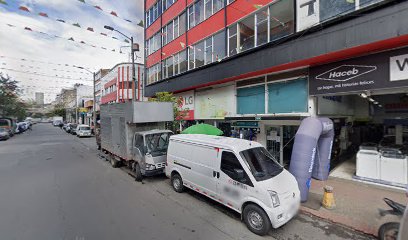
(237, 173)
(134, 134)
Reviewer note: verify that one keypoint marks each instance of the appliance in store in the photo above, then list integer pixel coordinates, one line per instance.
(368, 161)
(393, 166)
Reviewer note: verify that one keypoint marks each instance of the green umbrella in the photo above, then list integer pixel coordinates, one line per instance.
(203, 129)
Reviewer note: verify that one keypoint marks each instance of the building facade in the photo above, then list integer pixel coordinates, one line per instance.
(117, 85)
(256, 68)
(98, 87)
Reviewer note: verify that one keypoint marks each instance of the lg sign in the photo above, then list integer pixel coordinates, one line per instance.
(345, 72)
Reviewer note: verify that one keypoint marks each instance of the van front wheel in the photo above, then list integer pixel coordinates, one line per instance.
(256, 220)
(177, 183)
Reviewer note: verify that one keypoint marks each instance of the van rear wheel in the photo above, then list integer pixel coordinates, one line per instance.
(177, 183)
(256, 219)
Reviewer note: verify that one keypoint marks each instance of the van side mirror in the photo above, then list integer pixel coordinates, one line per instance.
(239, 173)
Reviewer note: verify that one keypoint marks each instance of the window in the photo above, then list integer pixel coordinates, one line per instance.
(170, 32)
(281, 19)
(230, 1)
(261, 19)
(208, 8)
(261, 163)
(176, 27)
(246, 33)
(219, 46)
(208, 50)
(191, 58)
(232, 40)
(199, 54)
(169, 64)
(139, 141)
(164, 35)
(278, 100)
(164, 5)
(153, 74)
(230, 165)
(191, 19)
(182, 23)
(199, 11)
(217, 5)
(251, 100)
(182, 61)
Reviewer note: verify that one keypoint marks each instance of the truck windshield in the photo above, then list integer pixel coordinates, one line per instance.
(262, 164)
(157, 143)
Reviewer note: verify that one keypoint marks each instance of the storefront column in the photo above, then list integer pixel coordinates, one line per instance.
(398, 134)
(312, 103)
(261, 137)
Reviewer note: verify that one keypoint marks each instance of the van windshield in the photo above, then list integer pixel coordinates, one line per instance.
(84, 128)
(261, 163)
(157, 143)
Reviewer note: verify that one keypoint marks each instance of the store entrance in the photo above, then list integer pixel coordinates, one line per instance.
(279, 142)
(370, 127)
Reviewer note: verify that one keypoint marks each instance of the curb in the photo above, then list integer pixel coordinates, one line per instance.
(342, 220)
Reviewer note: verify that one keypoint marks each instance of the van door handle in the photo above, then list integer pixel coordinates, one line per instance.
(214, 173)
(218, 174)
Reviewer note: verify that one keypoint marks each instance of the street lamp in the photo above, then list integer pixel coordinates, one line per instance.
(94, 97)
(132, 50)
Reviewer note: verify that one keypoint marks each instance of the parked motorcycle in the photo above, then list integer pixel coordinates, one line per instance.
(389, 230)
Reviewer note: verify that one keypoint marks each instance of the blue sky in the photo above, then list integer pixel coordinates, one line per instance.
(41, 52)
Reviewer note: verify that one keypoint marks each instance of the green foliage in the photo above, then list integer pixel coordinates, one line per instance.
(10, 103)
(177, 102)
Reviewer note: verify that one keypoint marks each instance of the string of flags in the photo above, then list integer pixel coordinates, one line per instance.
(43, 75)
(66, 22)
(25, 60)
(30, 29)
(110, 12)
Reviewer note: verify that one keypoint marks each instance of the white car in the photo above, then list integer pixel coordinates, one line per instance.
(237, 173)
(83, 131)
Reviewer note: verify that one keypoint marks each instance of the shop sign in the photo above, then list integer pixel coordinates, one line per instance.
(376, 71)
(187, 104)
(312, 12)
(399, 68)
(216, 103)
(245, 124)
(83, 110)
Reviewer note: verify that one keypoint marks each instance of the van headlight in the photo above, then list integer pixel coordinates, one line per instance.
(275, 198)
(150, 166)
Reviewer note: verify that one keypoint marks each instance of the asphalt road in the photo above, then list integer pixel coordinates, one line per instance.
(54, 186)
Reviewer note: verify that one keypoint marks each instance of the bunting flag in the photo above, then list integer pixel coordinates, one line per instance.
(10, 25)
(104, 34)
(28, 29)
(83, 42)
(97, 7)
(126, 41)
(90, 29)
(3, 2)
(71, 39)
(182, 44)
(60, 20)
(258, 6)
(115, 38)
(76, 25)
(164, 54)
(113, 50)
(23, 8)
(141, 24)
(43, 14)
(114, 14)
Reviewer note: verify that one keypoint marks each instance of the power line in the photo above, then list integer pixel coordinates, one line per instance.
(43, 75)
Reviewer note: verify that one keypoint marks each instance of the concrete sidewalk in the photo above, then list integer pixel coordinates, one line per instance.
(357, 203)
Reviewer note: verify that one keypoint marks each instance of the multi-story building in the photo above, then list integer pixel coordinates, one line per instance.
(256, 68)
(117, 84)
(98, 87)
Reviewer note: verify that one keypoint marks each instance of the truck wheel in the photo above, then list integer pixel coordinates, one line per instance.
(138, 172)
(256, 219)
(177, 183)
(114, 162)
(388, 231)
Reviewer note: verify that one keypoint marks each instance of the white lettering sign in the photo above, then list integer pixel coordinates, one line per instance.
(399, 68)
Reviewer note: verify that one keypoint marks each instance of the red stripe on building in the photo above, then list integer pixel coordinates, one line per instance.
(127, 83)
(174, 10)
(117, 85)
(123, 84)
(206, 28)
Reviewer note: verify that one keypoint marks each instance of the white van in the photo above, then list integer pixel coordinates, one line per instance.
(238, 173)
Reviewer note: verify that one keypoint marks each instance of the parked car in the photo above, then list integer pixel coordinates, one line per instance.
(22, 127)
(4, 134)
(72, 128)
(83, 131)
(237, 173)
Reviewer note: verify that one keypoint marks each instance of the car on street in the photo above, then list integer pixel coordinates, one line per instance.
(72, 128)
(4, 134)
(83, 131)
(237, 173)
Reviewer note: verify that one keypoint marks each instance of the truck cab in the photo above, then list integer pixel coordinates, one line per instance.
(150, 152)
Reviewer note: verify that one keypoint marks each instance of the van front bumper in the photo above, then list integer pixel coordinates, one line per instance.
(286, 211)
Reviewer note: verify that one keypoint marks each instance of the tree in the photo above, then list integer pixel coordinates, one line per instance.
(177, 103)
(10, 103)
